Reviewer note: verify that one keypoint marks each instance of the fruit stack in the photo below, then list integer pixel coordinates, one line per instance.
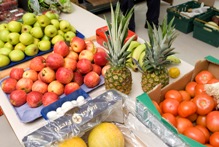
(33, 35)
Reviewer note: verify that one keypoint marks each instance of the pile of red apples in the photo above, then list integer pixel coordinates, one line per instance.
(62, 72)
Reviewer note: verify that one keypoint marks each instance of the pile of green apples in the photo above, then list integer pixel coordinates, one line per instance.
(32, 34)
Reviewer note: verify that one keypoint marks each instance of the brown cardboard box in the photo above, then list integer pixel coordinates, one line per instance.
(207, 2)
(209, 63)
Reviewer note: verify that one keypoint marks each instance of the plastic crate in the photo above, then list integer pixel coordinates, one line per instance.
(204, 33)
(182, 24)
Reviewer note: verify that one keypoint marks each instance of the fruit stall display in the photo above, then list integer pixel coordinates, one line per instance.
(34, 35)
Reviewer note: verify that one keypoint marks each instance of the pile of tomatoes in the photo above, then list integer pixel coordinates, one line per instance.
(192, 111)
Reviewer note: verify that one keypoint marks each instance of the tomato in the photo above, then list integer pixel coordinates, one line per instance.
(190, 88)
(186, 108)
(170, 106)
(201, 120)
(199, 89)
(182, 124)
(212, 121)
(195, 134)
(193, 117)
(173, 94)
(203, 77)
(157, 106)
(204, 103)
(208, 145)
(205, 131)
(214, 80)
(214, 139)
(185, 95)
(170, 118)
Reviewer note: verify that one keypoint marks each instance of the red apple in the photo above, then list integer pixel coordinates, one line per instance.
(24, 84)
(61, 48)
(49, 98)
(54, 61)
(86, 54)
(97, 69)
(77, 44)
(90, 46)
(91, 79)
(18, 98)
(32, 74)
(56, 87)
(71, 87)
(47, 75)
(100, 58)
(34, 99)
(78, 78)
(84, 66)
(72, 55)
(40, 86)
(64, 75)
(70, 63)
(16, 73)
(37, 63)
(104, 69)
(100, 49)
(9, 85)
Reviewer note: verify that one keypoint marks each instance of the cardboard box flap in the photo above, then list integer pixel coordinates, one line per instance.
(212, 59)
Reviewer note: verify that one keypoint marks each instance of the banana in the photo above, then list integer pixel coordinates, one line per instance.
(138, 50)
(134, 67)
(140, 60)
(174, 59)
(131, 47)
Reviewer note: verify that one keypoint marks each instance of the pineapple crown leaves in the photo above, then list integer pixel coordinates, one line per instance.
(118, 31)
(159, 46)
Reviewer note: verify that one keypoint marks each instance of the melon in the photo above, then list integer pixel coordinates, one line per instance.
(73, 142)
(106, 135)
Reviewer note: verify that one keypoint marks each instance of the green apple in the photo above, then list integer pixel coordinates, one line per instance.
(43, 20)
(69, 35)
(4, 35)
(29, 18)
(13, 38)
(60, 32)
(26, 38)
(57, 38)
(26, 28)
(36, 24)
(50, 31)
(44, 45)
(5, 51)
(36, 32)
(3, 26)
(14, 26)
(4, 60)
(1, 44)
(36, 41)
(45, 38)
(55, 22)
(31, 50)
(73, 29)
(51, 15)
(16, 55)
(8, 45)
(64, 25)
(19, 46)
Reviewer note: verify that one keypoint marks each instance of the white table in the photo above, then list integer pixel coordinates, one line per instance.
(86, 23)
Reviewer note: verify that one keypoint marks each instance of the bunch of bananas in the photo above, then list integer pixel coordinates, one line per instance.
(137, 52)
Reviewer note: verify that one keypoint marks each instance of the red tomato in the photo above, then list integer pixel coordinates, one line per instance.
(201, 120)
(212, 121)
(173, 94)
(199, 89)
(214, 139)
(205, 131)
(170, 118)
(204, 103)
(195, 134)
(208, 145)
(157, 106)
(185, 95)
(203, 77)
(186, 108)
(170, 106)
(190, 88)
(193, 117)
(182, 124)
(214, 80)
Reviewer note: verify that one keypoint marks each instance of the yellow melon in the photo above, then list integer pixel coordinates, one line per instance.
(73, 142)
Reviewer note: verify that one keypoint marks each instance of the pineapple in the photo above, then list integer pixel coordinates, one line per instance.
(154, 69)
(118, 76)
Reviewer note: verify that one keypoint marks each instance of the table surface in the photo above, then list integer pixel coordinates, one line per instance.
(86, 23)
